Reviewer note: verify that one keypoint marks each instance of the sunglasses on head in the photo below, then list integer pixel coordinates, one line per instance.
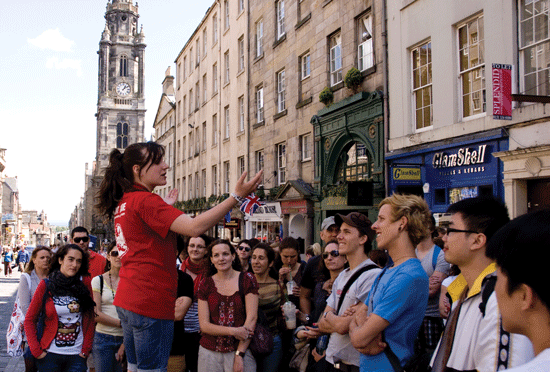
(332, 253)
(83, 239)
(113, 253)
(241, 247)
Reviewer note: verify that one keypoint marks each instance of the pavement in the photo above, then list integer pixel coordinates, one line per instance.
(8, 292)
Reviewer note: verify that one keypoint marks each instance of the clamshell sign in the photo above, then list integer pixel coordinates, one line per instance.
(464, 156)
(406, 174)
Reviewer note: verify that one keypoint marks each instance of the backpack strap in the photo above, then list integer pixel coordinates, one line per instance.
(487, 289)
(350, 281)
(101, 285)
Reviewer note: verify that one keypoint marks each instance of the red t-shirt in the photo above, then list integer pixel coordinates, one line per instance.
(227, 311)
(147, 248)
(97, 264)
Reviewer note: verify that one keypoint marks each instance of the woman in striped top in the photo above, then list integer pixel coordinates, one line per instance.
(270, 301)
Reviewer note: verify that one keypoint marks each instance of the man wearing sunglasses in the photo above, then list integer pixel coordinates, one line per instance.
(355, 242)
(474, 338)
(80, 237)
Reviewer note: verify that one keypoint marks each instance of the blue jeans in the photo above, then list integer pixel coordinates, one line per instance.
(105, 348)
(147, 341)
(61, 363)
(270, 363)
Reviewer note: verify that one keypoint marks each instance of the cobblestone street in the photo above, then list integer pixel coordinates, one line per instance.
(8, 291)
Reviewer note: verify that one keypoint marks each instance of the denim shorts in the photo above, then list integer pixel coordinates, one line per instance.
(105, 348)
(147, 341)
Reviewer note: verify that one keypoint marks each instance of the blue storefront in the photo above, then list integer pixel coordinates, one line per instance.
(447, 173)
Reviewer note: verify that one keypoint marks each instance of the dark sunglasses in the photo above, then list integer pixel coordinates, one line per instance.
(332, 253)
(448, 230)
(113, 253)
(241, 247)
(83, 239)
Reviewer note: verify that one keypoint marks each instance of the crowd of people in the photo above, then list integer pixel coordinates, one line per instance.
(466, 296)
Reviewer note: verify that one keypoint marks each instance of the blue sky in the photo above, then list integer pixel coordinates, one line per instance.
(48, 88)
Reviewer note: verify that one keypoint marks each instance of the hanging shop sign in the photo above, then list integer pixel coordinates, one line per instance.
(502, 91)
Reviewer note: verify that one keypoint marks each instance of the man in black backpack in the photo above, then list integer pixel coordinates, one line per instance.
(474, 338)
(355, 242)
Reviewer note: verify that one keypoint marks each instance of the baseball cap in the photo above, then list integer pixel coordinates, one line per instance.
(359, 221)
(327, 222)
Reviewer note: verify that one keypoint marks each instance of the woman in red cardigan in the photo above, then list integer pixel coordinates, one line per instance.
(68, 314)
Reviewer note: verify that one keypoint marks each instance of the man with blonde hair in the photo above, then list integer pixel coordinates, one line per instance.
(385, 327)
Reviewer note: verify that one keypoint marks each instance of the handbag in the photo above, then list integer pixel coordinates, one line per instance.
(16, 333)
(261, 343)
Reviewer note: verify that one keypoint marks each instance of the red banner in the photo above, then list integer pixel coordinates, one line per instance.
(502, 91)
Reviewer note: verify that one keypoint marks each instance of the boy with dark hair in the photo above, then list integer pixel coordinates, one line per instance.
(522, 289)
(473, 337)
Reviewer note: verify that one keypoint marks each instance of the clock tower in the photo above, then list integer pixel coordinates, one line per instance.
(121, 100)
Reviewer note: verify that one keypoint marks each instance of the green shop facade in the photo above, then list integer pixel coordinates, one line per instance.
(349, 157)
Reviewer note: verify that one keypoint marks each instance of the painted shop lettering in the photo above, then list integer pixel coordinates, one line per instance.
(464, 156)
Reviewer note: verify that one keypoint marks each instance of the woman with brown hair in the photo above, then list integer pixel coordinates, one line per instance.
(145, 228)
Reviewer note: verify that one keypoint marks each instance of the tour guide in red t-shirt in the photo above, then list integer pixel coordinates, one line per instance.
(145, 229)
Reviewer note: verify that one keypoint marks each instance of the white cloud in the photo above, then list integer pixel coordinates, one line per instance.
(52, 39)
(57, 64)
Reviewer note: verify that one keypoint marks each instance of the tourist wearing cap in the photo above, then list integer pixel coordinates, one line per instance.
(312, 275)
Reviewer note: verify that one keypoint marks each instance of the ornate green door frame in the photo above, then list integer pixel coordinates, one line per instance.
(359, 119)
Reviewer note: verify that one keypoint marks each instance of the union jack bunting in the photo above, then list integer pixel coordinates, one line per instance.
(251, 203)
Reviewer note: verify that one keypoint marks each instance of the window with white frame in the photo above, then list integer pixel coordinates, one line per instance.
(184, 68)
(204, 91)
(260, 104)
(422, 84)
(203, 182)
(259, 160)
(306, 146)
(204, 43)
(204, 135)
(335, 44)
(305, 64)
(534, 43)
(215, 78)
(226, 60)
(280, 11)
(197, 140)
(226, 122)
(281, 163)
(472, 66)
(198, 47)
(190, 61)
(365, 54)
(198, 95)
(241, 53)
(281, 91)
(241, 114)
(183, 153)
(259, 37)
(190, 101)
(215, 29)
(197, 185)
(178, 154)
(191, 146)
(226, 175)
(214, 180)
(183, 188)
(191, 186)
(240, 163)
(214, 129)
(184, 106)
(226, 14)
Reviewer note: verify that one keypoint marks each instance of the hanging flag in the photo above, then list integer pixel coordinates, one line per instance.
(228, 217)
(251, 203)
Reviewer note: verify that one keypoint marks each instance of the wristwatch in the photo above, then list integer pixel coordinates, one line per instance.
(238, 198)
(239, 353)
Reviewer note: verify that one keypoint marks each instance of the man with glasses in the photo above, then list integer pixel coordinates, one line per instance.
(474, 338)
(80, 237)
(355, 242)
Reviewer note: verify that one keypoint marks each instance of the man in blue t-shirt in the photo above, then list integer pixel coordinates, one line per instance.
(384, 329)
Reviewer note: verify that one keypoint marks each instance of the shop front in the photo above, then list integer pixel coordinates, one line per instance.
(297, 211)
(265, 224)
(445, 174)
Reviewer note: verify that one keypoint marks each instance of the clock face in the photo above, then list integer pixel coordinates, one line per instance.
(123, 89)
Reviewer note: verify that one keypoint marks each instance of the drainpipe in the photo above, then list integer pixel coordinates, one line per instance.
(385, 94)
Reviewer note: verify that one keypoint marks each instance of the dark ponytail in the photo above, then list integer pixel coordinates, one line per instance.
(119, 177)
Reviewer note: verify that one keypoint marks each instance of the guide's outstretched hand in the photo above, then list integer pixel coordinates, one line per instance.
(244, 189)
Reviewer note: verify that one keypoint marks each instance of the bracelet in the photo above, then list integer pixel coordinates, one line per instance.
(238, 198)
(239, 353)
